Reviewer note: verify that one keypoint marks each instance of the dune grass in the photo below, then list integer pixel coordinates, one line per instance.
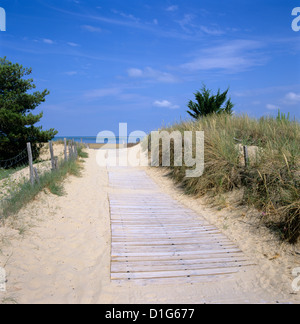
(51, 180)
(271, 182)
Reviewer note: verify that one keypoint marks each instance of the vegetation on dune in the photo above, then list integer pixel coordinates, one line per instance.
(51, 180)
(209, 104)
(271, 182)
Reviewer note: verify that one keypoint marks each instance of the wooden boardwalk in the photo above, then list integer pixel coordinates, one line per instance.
(155, 239)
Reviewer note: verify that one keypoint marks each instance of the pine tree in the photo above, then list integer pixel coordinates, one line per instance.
(17, 101)
(209, 104)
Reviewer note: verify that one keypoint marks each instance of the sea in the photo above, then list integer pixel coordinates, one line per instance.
(95, 140)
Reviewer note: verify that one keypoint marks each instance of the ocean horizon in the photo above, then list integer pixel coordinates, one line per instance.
(95, 140)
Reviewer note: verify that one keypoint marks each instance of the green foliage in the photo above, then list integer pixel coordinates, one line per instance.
(283, 117)
(17, 101)
(208, 104)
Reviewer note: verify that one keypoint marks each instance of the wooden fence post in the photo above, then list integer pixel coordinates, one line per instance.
(65, 150)
(70, 151)
(37, 178)
(30, 160)
(246, 156)
(76, 149)
(52, 155)
(56, 162)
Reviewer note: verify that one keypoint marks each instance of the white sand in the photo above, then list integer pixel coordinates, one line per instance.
(57, 250)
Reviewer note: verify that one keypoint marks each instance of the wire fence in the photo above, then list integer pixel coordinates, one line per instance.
(22, 168)
(21, 158)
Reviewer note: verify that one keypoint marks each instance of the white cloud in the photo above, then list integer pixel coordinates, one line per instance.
(48, 41)
(104, 92)
(91, 29)
(172, 8)
(151, 74)
(71, 73)
(73, 44)
(135, 73)
(212, 31)
(235, 56)
(272, 107)
(125, 15)
(165, 104)
(292, 98)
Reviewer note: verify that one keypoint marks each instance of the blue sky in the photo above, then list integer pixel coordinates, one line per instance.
(141, 61)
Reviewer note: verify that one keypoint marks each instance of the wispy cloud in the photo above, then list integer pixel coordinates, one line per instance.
(152, 75)
(172, 8)
(103, 92)
(213, 31)
(235, 56)
(272, 107)
(72, 44)
(48, 41)
(126, 16)
(165, 104)
(91, 29)
(71, 73)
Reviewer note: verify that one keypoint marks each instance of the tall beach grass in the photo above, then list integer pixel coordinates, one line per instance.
(271, 182)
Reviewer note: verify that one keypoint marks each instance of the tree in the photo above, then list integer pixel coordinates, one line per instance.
(209, 104)
(17, 102)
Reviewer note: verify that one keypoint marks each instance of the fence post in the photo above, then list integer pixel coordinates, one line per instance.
(37, 178)
(76, 149)
(246, 156)
(52, 155)
(65, 150)
(70, 151)
(30, 160)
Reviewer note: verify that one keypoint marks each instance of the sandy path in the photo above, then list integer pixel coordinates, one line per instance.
(64, 252)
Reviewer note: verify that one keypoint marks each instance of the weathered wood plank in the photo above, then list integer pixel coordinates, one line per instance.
(118, 267)
(174, 274)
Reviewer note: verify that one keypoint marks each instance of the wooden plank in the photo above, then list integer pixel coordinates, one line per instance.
(168, 242)
(173, 246)
(174, 281)
(172, 253)
(133, 268)
(145, 258)
(173, 274)
(187, 262)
